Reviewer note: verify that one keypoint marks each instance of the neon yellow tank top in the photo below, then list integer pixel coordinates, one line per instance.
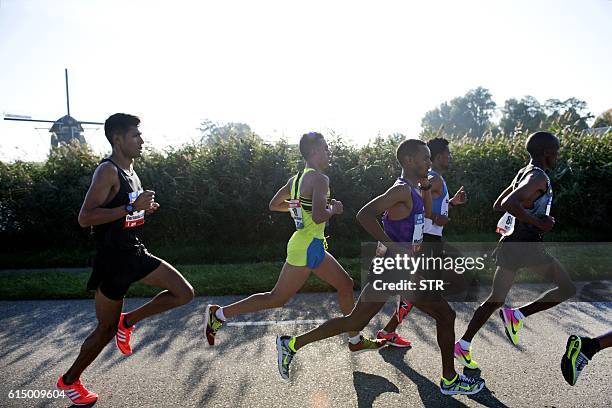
(300, 208)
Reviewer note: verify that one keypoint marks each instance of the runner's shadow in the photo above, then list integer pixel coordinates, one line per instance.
(429, 392)
(370, 386)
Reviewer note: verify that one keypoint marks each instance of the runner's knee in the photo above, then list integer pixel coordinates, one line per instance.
(107, 330)
(444, 314)
(492, 304)
(185, 294)
(568, 289)
(274, 299)
(346, 285)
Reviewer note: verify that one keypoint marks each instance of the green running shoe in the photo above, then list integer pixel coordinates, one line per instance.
(285, 355)
(366, 344)
(573, 360)
(212, 323)
(511, 324)
(465, 357)
(461, 384)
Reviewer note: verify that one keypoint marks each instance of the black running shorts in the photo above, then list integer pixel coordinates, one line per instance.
(515, 254)
(114, 271)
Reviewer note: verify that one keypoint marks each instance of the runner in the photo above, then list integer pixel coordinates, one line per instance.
(432, 233)
(306, 198)
(403, 207)
(433, 244)
(440, 162)
(579, 351)
(115, 207)
(527, 203)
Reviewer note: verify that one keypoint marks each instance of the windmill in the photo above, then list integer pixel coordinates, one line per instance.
(64, 129)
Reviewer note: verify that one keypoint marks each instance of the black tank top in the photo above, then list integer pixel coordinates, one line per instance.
(124, 233)
(540, 207)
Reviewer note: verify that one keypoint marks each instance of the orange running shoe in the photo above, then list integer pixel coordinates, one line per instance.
(123, 336)
(78, 394)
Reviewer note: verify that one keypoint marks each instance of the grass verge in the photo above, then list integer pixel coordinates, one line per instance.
(245, 278)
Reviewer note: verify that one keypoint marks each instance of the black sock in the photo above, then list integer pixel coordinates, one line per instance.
(125, 324)
(64, 380)
(589, 347)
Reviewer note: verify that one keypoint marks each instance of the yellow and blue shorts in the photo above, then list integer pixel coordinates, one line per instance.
(305, 251)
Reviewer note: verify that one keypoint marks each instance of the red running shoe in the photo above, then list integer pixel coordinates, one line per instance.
(393, 339)
(78, 394)
(123, 336)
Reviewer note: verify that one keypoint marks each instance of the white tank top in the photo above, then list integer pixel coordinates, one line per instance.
(438, 206)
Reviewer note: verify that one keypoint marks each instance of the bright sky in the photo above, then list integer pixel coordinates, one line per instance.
(285, 67)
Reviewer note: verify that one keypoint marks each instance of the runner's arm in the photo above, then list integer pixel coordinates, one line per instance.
(529, 187)
(101, 185)
(436, 187)
(497, 204)
(368, 215)
(279, 201)
(320, 210)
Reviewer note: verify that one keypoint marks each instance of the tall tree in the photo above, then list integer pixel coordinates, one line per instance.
(464, 115)
(526, 114)
(604, 120)
(213, 132)
(571, 112)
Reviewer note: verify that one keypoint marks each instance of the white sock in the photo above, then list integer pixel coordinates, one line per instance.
(383, 331)
(219, 314)
(464, 344)
(518, 314)
(356, 339)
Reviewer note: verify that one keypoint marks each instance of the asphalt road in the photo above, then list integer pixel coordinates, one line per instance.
(172, 364)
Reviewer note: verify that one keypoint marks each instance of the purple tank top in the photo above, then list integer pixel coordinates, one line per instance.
(404, 230)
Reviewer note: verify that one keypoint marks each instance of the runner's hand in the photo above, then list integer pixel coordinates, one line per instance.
(424, 183)
(546, 223)
(336, 207)
(460, 197)
(145, 200)
(154, 207)
(440, 220)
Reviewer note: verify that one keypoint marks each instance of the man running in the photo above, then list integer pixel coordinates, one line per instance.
(434, 226)
(432, 232)
(404, 209)
(115, 207)
(440, 162)
(306, 197)
(579, 351)
(527, 203)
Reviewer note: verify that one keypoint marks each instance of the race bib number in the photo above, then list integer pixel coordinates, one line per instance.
(417, 235)
(295, 209)
(505, 225)
(136, 218)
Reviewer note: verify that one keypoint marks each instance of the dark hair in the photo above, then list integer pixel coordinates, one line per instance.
(539, 141)
(119, 123)
(437, 145)
(408, 147)
(308, 141)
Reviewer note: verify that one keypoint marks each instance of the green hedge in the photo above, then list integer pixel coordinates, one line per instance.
(219, 192)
